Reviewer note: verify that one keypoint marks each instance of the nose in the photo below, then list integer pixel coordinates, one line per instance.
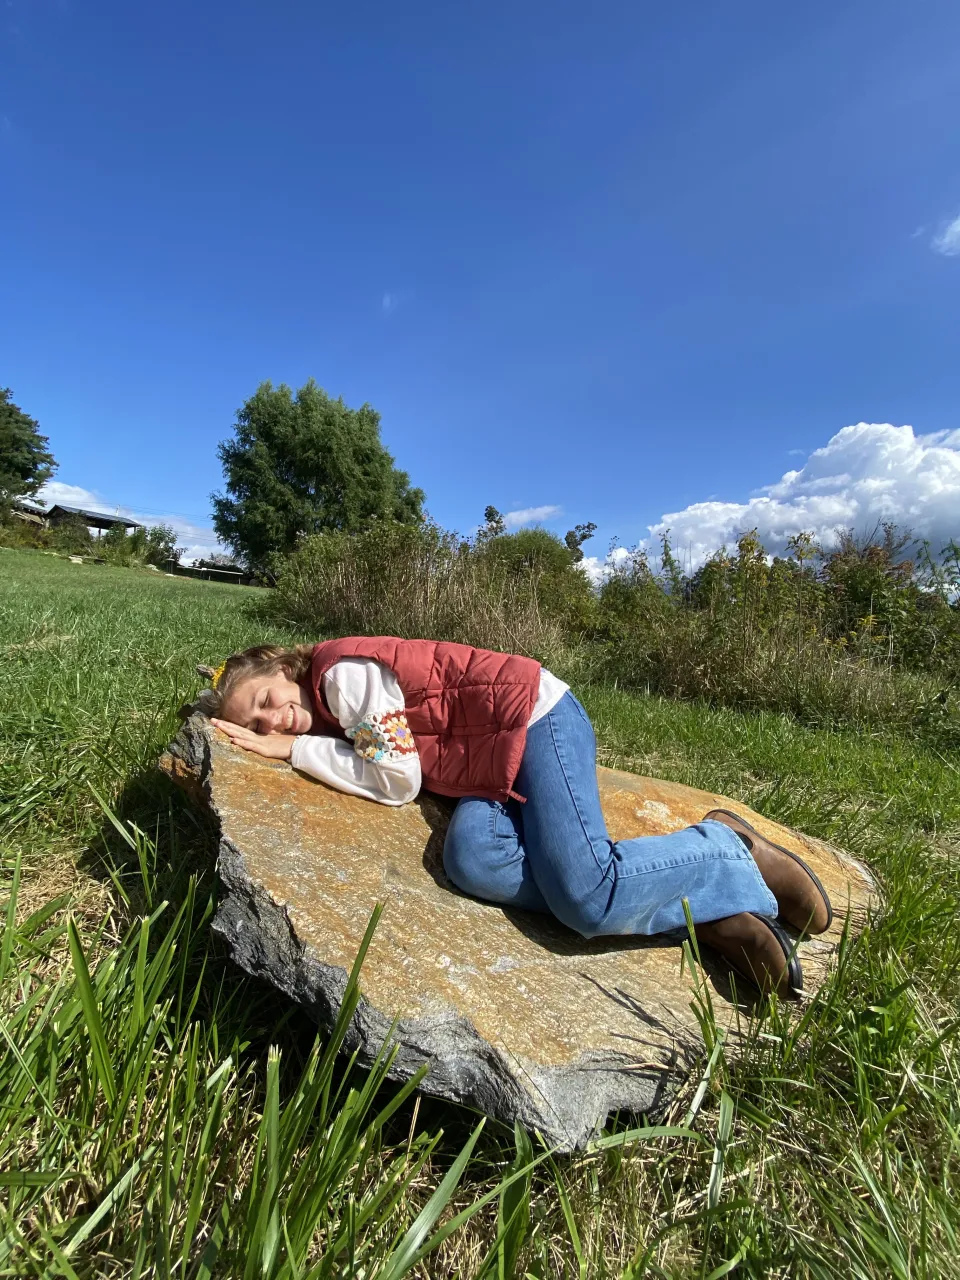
(269, 719)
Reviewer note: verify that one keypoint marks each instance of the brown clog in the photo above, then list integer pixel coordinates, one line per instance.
(802, 900)
(757, 948)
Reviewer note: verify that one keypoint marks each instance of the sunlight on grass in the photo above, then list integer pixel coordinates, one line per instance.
(163, 1114)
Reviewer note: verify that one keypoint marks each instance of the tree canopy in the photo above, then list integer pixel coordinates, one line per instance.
(302, 464)
(25, 461)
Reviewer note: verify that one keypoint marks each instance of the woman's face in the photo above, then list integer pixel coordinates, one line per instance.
(270, 704)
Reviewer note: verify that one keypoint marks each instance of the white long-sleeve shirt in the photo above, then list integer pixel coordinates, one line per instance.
(380, 759)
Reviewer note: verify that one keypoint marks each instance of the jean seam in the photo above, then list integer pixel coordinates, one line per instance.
(492, 823)
(683, 862)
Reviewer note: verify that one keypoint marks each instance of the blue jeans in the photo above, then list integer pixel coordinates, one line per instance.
(554, 854)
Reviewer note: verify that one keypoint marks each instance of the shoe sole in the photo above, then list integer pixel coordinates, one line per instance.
(780, 849)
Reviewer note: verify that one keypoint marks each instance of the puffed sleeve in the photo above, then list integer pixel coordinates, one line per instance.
(380, 759)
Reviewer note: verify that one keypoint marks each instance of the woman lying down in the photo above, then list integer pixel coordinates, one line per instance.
(386, 718)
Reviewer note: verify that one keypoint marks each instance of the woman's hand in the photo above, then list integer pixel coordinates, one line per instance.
(275, 746)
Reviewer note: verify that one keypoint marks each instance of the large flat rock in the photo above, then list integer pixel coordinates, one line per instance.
(515, 1014)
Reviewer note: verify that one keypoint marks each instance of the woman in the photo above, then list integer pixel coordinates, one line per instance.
(384, 718)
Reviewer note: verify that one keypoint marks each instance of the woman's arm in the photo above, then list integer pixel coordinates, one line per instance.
(380, 760)
(336, 763)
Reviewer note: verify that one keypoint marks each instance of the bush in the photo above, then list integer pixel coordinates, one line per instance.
(155, 545)
(789, 634)
(857, 635)
(72, 537)
(513, 592)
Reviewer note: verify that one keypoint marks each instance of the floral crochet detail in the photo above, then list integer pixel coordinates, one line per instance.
(383, 737)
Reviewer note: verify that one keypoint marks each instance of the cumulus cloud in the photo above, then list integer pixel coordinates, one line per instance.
(947, 239)
(199, 540)
(530, 515)
(867, 473)
(597, 568)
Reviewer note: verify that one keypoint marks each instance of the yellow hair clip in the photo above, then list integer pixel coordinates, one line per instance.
(215, 678)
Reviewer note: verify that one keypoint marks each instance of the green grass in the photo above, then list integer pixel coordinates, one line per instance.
(162, 1114)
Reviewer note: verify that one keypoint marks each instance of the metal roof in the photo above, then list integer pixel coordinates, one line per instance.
(102, 518)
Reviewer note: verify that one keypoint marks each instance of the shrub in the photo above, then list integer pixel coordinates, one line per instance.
(512, 593)
(786, 635)
(72, 537)
(155, 545)
(856, 635)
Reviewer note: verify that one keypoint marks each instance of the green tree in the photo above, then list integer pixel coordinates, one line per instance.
(160, 545)
(70, 536)
(304, 464)
(494, 525)
(154, 545)
(25, 460)
(576, 537)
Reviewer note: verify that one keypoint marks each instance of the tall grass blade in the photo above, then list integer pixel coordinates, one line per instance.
(109, 1202)
(514, 1210)
(724, 1128)
(10, 926)
(408, 1251)
(571, 1222)
(94, 1024)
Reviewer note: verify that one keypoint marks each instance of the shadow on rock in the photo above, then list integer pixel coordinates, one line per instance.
(548, 932)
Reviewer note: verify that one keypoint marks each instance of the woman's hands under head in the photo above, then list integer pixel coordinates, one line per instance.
(275, 746)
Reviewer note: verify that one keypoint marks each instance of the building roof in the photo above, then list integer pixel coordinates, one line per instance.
(99, 519)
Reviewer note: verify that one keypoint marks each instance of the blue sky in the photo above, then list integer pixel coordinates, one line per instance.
(622, 260)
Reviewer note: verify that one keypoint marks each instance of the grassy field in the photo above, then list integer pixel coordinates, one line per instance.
(161, 1114)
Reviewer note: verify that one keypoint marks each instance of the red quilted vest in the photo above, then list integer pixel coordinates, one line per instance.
(467, 708)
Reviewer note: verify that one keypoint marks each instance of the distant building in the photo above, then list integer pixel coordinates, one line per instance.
(29, 512)
(212, 572)
(59, 514)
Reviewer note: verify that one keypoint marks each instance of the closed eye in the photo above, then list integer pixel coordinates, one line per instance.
(258, 705)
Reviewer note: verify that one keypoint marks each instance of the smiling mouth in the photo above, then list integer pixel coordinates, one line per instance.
(291, 718)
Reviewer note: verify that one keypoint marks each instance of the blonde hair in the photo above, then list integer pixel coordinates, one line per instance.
(261, 660)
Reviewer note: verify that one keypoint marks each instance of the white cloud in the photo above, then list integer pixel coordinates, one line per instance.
(198, 540)
(866, 473)
(389, 302)
(947, 239)
(597, 569)
(530, 515)
(71, 495)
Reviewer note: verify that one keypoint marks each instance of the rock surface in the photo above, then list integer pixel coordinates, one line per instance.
(514, 1014)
